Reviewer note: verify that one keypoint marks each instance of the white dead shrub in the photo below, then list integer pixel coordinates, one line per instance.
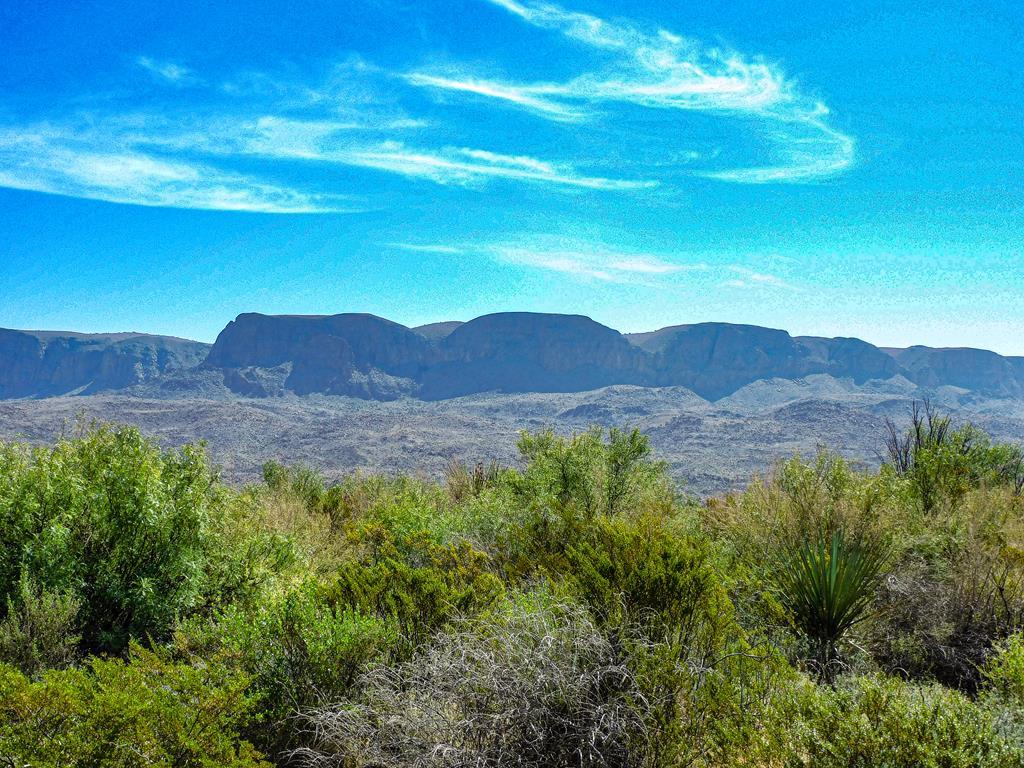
(538, 685)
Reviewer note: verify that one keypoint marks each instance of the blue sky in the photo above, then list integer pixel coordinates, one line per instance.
(828, 168)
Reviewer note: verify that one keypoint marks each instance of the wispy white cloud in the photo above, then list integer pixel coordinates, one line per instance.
(322, 142)
(168, 71)
(569, 264)
(592, 261)
(529, 97)
(156, 161)
(45, 160)
(355, 116)
(332, 142)
(651, 266)
(459, 165)
(434, 248)
(661, 70)
(750, 278)
(810, 150)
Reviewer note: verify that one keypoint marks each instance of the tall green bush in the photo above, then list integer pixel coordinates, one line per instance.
(107, 516)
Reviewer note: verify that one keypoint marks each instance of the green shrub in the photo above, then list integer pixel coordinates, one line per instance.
(39, 631)
(299, 649)
(109, 517)
(575, 611)
(956, 589)
(587, 474)
(463, 483)
(241, 554)
(868, 721)
(300, 481)
(942, 463)
(139, 536)
(637, 570)
(657, 592)
(415, 581)
(127, 714)
(1003, 677)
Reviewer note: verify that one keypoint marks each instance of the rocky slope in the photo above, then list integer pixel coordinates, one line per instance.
(711, 447)
(716, 359)
(352, 354)
(368, 357)
(977, 370)
(48, 363)
(528, 352)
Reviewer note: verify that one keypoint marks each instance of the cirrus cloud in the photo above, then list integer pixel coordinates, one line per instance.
(660, 70)
(256, 143)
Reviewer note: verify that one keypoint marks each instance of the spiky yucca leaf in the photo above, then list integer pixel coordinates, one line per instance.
(828, 584)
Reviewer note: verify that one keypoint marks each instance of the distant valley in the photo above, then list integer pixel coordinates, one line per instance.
(358, 392)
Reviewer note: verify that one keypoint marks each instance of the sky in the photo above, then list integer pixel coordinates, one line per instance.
(834, 169)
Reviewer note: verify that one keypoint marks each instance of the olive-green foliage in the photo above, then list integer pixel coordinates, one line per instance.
(111, 519)
(776, 540)
(300, 650)
(942, 463)
(1003, 677)
(954, 582)
(300, 481)
(415, 581)
(39, 631)
(145, 711)
(589, 474)
(574, 608)
(1004, 672)
(867, 721)
(638, 569)
(956, 588)
(463, 483)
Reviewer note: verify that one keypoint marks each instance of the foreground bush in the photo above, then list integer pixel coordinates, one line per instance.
(535, 684)
(1004, 689)
(300, 650)
(574, 610)
(123, 714)
(112, 520)
(884, 722)
(131, 533)
(38, 632)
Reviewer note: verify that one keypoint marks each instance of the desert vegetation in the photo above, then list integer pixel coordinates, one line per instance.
(575, 609)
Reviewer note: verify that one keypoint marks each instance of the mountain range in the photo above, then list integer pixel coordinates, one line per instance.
(371, 358)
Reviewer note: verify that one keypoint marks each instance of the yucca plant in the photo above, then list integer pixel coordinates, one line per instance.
(828, 584)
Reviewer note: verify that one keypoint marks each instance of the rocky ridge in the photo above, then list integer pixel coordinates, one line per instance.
(371, 358)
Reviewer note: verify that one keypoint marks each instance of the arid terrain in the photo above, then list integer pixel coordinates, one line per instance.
(711, 447)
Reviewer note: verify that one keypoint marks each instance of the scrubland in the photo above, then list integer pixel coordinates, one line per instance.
(576, 608)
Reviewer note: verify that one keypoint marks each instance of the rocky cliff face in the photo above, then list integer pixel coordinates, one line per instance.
(48, 363)
(848, 358)
(350, 354)
(365, 356)
(1017, 363)
(529, 352)
(975, 369)
(716, 359)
